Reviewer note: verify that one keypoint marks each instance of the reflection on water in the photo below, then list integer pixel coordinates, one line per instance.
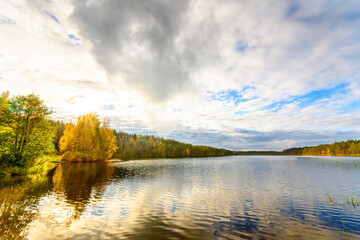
(78, 183)
(239, 197)
(18, 196)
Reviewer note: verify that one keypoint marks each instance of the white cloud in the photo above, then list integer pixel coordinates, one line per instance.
(157, 66)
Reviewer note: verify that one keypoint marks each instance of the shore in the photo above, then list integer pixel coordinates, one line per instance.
(42, 166)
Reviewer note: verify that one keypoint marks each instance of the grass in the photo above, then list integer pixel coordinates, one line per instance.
(330, 199)
(42, 165)
(351, 202)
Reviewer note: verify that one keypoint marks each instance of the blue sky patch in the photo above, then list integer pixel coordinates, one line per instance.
(241, 112)
(352, 107)
(109, 107)
(294, 8)
(231, 95)
(309, 98)
(73, 37)
(53, 17)
(240, 46)
(292, 14)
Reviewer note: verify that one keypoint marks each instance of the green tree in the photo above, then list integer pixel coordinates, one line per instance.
(25, 132)
(132, 146)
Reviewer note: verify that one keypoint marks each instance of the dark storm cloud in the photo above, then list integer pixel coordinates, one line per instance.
(137, 42)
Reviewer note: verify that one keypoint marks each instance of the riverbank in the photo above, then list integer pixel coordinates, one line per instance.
(42, 165)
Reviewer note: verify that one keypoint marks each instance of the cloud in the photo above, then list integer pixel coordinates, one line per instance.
(162, 48)
(234, 74)
(139, 45)
(243, 139)
(71, 99)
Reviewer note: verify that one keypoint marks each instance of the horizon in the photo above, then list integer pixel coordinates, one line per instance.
(231, 75)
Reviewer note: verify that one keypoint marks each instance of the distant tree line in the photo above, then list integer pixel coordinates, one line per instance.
(27, 132)
(136, 146)
(348, 148)
(257, 153)
(293, 151)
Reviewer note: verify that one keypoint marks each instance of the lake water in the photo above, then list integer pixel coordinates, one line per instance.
(237, 197)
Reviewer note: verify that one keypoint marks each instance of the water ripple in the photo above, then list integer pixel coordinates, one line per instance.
(239, 197)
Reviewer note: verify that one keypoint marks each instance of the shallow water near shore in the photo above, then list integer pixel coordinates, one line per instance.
(237, 197)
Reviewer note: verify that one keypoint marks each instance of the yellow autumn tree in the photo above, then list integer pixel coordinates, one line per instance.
(88, 140)
(66, 142)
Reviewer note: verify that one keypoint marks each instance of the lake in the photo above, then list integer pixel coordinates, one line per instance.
(236, 197)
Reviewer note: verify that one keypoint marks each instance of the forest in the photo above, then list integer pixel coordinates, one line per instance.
(137, 146)
(257, 153)
(28, 134)
(348, 148)
(133, 146)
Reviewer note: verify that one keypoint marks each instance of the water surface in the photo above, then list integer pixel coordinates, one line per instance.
(238, 197)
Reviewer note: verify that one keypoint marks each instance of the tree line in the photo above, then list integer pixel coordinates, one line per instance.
(27, 132)
(343, 148)
(136, 146)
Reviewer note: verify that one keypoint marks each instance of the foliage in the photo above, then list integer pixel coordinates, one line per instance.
(88, 140)
(44, 164)
(25, 132)
(133, 146)
(257, 153)
(60, 127)
(348, 148)
(293, 151)
(41, 166)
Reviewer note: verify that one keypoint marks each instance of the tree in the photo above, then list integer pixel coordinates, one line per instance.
(107, 141)
(88, 140)
(60, 126)
(6, 132)
(132, 146)
(25, 132)
(4, 106)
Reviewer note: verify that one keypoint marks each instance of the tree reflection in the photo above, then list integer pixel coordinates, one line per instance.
(19, 198)
(80, 183)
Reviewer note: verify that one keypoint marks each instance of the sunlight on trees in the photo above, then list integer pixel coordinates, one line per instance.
(348, 148)
(88, 140)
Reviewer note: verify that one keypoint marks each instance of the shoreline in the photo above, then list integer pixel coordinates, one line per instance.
(43, 165)
(48, 163)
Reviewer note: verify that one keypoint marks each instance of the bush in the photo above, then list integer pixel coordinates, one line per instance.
(79, 156)
(67, 156)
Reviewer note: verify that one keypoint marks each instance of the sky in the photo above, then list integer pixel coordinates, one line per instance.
(235, 74)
